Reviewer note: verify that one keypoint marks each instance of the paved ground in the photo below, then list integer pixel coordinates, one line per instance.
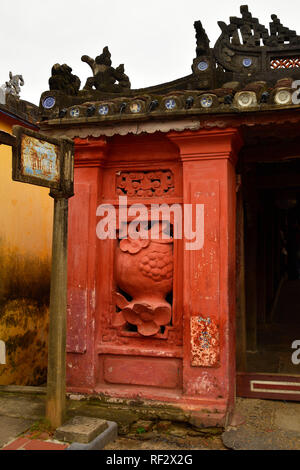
(22, 406)
(165, 442)
(269, 425)
(12, 427)
(265, 424)
(26, 443)
(18, 413)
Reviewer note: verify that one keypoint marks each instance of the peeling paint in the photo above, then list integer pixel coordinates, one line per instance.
(25, 341)
(24, 300)
(204, 384)
(205, 348)
(39, 158)
(93, 299)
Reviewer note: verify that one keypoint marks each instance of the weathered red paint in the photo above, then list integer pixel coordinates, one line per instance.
(205, 342)
(191, 363)
(155, 372)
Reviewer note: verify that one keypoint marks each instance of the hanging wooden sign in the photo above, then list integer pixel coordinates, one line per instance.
(43, 161)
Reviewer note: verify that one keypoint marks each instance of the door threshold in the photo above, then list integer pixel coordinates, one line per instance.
(269, 386)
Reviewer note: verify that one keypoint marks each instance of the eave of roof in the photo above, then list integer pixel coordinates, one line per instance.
(20, 117)
(179, 123)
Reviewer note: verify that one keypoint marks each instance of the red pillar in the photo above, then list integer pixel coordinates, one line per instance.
(208, 159)
(90, 155)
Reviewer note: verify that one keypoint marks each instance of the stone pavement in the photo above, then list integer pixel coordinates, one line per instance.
(25, 443)
(266, 425)
(18, 412)
(11, 427)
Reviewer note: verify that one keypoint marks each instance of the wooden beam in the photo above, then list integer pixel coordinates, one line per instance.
(7, 139)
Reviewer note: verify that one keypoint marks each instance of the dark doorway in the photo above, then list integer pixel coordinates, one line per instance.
(278, 281)
(271, 203)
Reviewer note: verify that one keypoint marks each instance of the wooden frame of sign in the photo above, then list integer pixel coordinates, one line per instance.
(43, 161)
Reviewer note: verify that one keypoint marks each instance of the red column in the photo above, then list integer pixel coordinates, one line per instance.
(82, 259)
(208, 161)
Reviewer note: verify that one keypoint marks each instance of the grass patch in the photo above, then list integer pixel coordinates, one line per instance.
(41, 429)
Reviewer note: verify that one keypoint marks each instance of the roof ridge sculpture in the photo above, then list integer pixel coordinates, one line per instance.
(246, 35)
(245, 52)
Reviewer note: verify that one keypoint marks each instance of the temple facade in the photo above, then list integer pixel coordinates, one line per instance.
(207, 305)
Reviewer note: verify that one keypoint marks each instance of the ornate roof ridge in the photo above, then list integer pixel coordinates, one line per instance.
(246, 52)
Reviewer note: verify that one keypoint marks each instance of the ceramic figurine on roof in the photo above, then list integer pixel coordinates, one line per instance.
(10, 99)
(13, 86)
(104, 75)
(63, 80)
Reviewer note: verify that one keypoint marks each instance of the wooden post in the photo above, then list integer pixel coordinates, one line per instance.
(56, 380)
(61, 188)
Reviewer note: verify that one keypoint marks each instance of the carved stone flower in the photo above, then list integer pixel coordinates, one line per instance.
(133, 246)
(148, 319)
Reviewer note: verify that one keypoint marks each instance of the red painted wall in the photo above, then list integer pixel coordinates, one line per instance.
(191, 362)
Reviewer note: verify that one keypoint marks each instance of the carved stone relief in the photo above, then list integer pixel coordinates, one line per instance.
(145, 183)
(144, 274)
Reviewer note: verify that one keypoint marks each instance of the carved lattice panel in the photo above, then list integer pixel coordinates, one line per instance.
(286, 63)
(145, 183)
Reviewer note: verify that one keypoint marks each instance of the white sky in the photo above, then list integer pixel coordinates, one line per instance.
(155, 39)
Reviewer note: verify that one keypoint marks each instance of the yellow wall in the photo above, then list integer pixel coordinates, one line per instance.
(26, 210)
(25, 251)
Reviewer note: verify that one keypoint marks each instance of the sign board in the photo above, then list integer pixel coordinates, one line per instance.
(43, 161)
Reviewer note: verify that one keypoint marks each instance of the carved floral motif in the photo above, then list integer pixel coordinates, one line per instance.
(145, 183)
